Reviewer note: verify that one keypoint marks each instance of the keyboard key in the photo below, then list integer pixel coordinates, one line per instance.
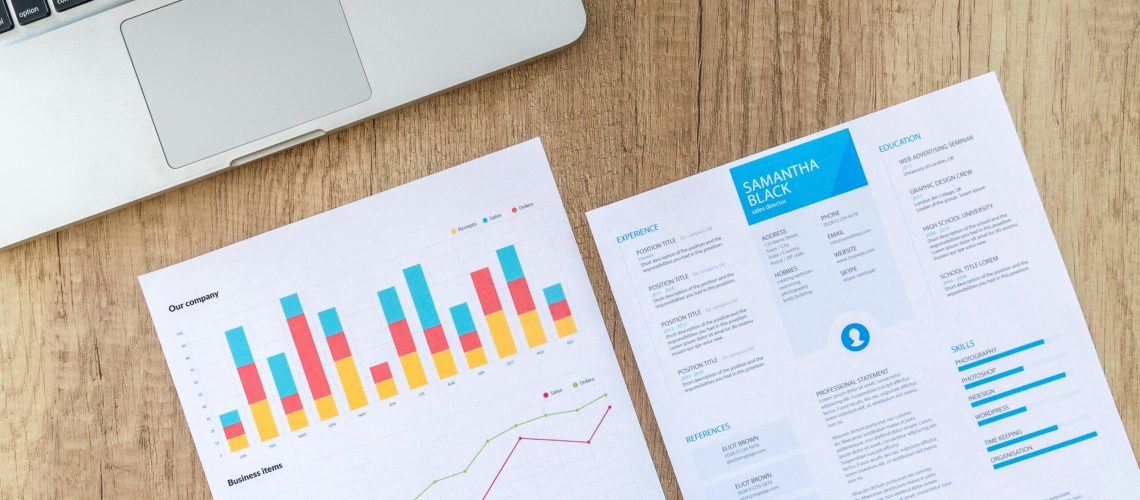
(5, 19)
(62, 5)
(30, 11)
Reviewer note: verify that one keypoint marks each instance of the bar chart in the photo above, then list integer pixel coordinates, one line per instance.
(390, 347)
(402, 338)
(307, 350)
(342, 356)
(520, 295)
(287, 388)
(1009, 389)
(432, 330)
(234, 432)
(251, 384)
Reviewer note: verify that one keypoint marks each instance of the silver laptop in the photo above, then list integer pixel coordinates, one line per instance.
(105, 102)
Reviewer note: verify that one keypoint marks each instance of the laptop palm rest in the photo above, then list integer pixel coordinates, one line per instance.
(218, 74)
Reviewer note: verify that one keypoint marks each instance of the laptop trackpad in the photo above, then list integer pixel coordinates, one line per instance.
(217, 74)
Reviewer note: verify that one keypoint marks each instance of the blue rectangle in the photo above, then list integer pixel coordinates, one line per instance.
(239, 347)
(1045, 450)
(461, 315)
(509, 261)
(390, 303)
(282, 377)
(1016, 390)
(421, 296)
(554, 294)
(230, 418)
(330, 322)
(1000, 355)
(292, 306)
(798, 176)
(1019, 439)
(1003, 416)
(996, 376)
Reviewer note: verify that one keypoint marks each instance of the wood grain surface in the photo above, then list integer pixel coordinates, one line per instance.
(655, 90)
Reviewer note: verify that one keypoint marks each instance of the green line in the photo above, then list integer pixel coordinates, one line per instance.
(492, 438)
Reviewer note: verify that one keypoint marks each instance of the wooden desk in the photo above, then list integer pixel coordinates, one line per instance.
(654, 91)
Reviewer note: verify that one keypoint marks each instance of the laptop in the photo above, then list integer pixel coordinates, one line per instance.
(106, 102)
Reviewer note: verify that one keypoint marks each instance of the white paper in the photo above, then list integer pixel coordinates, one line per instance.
(807, 319)
(552, 420)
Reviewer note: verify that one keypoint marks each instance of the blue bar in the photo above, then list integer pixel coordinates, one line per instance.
(509, 260)
(230, 418)
(554, 294)
(330, 322)
(1016, 390)
(282, 377)
(239, 347)
(1003, 416)
(464, 323)
(1000, 355)
(292, 306)
(1045, 450)
(390, 302)
(994, 377)
(421, 297)
(1019, 439)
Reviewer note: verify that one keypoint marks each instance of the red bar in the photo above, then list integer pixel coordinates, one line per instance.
(381, 372)
(435, 339)
(485, 289)
(470, 341)
(559, 310)
(338, 346)
(251, 382)
(520, 293)
(402, 337)
(234, 431)
(310, 361)
(292, 403)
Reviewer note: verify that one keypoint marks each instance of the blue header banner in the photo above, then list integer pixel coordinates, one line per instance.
(799, 176)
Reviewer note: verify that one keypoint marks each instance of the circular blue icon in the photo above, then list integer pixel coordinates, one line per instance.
(855, 337)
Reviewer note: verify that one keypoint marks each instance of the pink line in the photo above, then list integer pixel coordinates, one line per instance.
(556, 440)
(501, 467)
(521, 439)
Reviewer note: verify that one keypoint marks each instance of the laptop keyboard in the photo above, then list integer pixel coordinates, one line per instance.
(29, 11)
(24, 19)
(5, 18)
(62, 5)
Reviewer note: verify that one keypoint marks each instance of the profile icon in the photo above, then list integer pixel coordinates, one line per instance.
(855, 337)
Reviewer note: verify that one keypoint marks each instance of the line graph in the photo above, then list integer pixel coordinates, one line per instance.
(552, 440)
(489, 440)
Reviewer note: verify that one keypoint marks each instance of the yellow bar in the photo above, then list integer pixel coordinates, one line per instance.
(239, 443)
(565, 326)
(350, 381)
(476, 357)
(386, 388)
(444, 363)
(297, 420)
(532, 328)
(501, 334)
(326, 407)
(263, 419)
(413, 369)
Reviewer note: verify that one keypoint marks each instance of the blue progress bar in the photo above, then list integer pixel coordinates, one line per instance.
(1016, 390)
(1045, 450)
(1000, 355)
(1019, 439)
(1003, 416)
(994, 377)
